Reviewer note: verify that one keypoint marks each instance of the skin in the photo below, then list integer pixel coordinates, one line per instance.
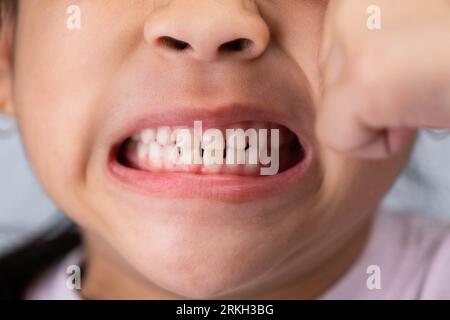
(362, 117)
(62, 87)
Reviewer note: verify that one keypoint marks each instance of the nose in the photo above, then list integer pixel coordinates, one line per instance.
(208, 30)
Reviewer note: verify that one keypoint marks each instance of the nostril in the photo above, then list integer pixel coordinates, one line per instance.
(173, 43)
(236, 45)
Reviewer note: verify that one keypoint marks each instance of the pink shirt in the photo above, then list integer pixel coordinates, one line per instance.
(407, 257)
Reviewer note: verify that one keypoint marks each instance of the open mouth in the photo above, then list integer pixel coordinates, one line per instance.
(164, 149)
(148, 160)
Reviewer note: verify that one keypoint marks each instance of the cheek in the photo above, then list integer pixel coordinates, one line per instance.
(59, 77)
(55, 125)
(302, 37)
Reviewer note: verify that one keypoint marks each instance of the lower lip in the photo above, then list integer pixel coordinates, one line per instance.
(214, 187)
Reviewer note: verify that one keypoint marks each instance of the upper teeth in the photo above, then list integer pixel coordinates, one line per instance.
(163, 136)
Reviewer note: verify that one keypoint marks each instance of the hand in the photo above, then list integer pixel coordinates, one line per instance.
(380, 86)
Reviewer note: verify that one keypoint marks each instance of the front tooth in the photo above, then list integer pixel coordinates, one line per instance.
(236, 138)
(234, 157)
(147, 136)
(213, 156)
(213, 146)
(155, 155)
(251, 155)
(212, 139)
(163, 135)
(251, 168)
(142, 151)
(170, 156)
(211, 162)
(186, 156)
(183, 138)
(189, 156)
(234, 161)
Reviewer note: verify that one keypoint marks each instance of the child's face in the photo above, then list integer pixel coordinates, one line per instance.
(80, 93)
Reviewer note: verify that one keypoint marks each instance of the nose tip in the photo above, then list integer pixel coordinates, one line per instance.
(208, 34)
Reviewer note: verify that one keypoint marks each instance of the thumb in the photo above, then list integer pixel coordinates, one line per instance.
(348, 121)
(349, 117)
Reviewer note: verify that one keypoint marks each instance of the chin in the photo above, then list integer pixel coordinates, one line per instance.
(202, 262)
